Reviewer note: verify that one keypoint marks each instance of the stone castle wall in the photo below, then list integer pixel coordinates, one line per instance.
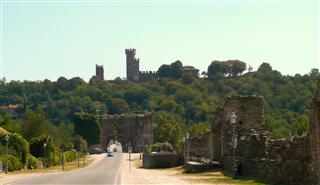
(295, 160)
(249, 110)
(144, 76)
(132, 130)
(199, 147)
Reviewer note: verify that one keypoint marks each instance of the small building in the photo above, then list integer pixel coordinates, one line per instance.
(194, 71)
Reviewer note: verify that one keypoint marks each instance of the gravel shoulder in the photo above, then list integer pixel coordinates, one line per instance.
(173, 176)
(137, 175)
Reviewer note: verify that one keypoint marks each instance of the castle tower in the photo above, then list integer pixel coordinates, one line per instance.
(99, 72)
(315, 134)
(132, 65)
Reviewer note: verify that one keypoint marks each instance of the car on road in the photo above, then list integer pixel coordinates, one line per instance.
(96, 151)
(109, 154)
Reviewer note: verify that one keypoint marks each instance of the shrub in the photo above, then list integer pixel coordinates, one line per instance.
(70, 156)
(32, 162)
(56, 158)
(18, 146)
(13, 162)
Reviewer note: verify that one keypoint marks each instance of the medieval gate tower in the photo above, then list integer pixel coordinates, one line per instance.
(132, 65)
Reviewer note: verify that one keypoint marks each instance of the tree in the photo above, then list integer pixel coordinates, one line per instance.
(35, 124)
(73, 83)
(119, 106)
(314, 73)
(62, 83)
(137, 94)
(167, 104)
(164, 71)
(79, 144)
(87, 126)
(176, 70)
(216, 67)
(168, 129)
(187, 78)
(236, 67)
(265, 67)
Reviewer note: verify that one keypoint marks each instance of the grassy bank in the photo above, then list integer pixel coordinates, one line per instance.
(67, 166)
(213, 177)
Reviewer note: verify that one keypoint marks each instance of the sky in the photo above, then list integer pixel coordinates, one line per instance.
(46, 39)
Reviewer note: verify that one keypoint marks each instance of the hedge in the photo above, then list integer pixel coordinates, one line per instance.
(70, 156)
(18, 146)
(32, 162)
(87, 126)
(13, 162)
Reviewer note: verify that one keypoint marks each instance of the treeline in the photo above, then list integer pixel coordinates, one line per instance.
(187, 100)
(33, 141)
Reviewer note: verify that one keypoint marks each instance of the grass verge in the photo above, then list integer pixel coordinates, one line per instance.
(67, 167)
(213, 177)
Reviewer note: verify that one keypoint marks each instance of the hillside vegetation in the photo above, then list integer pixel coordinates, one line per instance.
(180, 99)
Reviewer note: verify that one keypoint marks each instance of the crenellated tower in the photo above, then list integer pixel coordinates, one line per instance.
(99, 72)
(132, 65)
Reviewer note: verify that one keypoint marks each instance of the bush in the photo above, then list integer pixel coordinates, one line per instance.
(70, 156)
(18, 146)
(56, 158)
(13, 162)
(32, 162)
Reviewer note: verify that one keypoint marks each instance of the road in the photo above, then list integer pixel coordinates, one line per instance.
(106, 171)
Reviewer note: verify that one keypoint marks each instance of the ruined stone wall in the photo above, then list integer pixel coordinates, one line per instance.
(275, 161)
(198, 148)
(133, 130)
(292, 161)
(249, 110)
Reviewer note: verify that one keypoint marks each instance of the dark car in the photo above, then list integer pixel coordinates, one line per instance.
(96, 151)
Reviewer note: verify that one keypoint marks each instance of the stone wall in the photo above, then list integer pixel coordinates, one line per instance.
(274, 161)
(292, 161)
(160, 160)
(144, 76)
(249, 111)
(199, 147)
(133, 130)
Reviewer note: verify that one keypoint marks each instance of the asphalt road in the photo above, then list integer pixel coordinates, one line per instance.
(105, 171)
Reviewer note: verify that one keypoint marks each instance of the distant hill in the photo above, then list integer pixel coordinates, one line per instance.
(188, 97)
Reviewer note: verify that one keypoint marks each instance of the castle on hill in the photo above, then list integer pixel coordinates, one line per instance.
(133, 72)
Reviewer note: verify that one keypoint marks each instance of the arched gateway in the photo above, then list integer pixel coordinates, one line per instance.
(133, 130)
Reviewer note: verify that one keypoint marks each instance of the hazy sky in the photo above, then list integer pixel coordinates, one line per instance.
(46, 40)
